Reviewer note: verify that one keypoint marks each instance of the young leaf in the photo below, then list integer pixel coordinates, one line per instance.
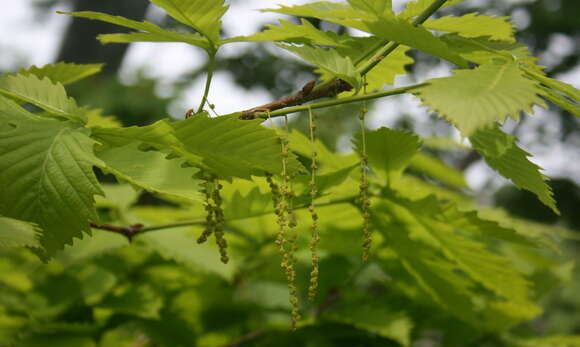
(374, 7)
(305, 33)
(42, 93)
(63, 73)
(11, 110)
(475, 99)
(416, 7)
(330, 61)
(55, 185)
(17, 233)
(560, 100)
(389, 151)
(202, 15)
(401, 31)
(150, 32)
(324, 10)
(385, 71)
(450, 266)
(151, 171)
(228, 146)
(438, 169)
(474, 25)
(501, 153)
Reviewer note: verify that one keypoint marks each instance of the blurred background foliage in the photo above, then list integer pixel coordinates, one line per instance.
(177, 303)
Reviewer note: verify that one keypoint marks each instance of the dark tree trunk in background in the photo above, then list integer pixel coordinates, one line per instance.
(80, 44)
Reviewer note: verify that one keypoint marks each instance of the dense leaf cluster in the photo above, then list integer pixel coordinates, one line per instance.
(436, 260)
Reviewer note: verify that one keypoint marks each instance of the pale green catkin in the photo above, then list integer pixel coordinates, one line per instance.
(364, 200)
(220, 223)
(282, 197)
(209, 218)
(315, 237)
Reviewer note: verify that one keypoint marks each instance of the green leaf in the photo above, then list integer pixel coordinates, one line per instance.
(501, 152)
(450, 266)
(330, 61)
(42, 93)
(150, 32)
(416, 7)
(438, 169)
(17, 233)
(46, 177)
(476, 99)
(305, 33)
(375, 316)
(151, 171)
(325, 10)
(192, 39)
(180, 244)
(202, 15)
(560, 100)
(401, 31)
(389, 151)
(11, 110)
(385, 71)
(374, 7)
(474, 25)
(136, 299)
(227, 146)
(63, 73)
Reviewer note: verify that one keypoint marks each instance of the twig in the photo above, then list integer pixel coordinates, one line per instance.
(128, 231)
(136, 229)
(335, 86)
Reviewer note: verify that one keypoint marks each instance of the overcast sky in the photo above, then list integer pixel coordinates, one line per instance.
(27, 40)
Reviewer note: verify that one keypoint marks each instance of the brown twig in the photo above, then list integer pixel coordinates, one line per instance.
(128, 231)
(307, 93)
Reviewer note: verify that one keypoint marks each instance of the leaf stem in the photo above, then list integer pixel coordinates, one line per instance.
(210, 68)
(334, 102)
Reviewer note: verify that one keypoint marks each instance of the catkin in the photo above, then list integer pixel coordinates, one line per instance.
(363, 198)
(214, 220)
(315, 237)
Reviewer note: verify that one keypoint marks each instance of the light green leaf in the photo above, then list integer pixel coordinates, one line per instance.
(64, 73)
(305, 33)
(334, 12)
(192, 39)
(202, 15)
(481, 50)
(560, 100)
(374, 315)
(180, 244)
(374, 7)
(416, 7)
(227, 146)
(401, 31)
(389, 151)
(46, 177)
(330, 61)
(474, 25)
(449, 265)
(42, 93)
(476, 99)
(17, 233)
(10, 110)
(321, 9)
(384, 72)
(501, 152)
(548, 341)
(151, 171)
(438, 169)
(150, 32)
(562, 87)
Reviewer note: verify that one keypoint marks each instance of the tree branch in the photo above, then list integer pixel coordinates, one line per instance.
(128, 231)
(334, 86)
